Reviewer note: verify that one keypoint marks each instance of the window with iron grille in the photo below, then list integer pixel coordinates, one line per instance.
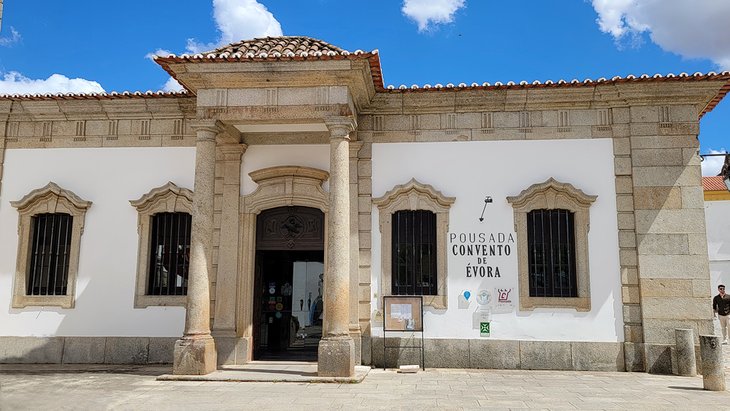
(414, 253)
(552, 220)
(551, 247)
(50, 254)
(169, 254)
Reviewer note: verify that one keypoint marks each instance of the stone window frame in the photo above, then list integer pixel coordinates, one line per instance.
(168, 198)
(413, 196)
(551, 195)
(48, 199)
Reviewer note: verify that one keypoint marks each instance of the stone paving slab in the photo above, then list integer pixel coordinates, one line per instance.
(136, 388)
(132, 387)
(270, 371)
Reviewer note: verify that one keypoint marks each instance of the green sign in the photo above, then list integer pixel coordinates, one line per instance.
(484, 329)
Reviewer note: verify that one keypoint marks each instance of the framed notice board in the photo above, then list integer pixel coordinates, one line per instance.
(403, 314)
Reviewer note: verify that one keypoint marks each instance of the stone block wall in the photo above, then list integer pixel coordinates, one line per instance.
(86, 350)
(364, 227)
(671, 245)
(500, 354)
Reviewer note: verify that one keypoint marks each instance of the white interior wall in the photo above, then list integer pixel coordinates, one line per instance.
(108, 177)
(470, 171)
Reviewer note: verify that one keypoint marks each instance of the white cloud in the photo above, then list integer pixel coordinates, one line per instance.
(238, 20)
(711, 166)
(690, 28)
(431, 12)
(16, 83)
(172, 85)
(9, 41)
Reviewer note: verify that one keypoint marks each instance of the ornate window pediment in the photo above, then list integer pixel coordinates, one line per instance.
(415, 196)
(159, 208)
(532, 204)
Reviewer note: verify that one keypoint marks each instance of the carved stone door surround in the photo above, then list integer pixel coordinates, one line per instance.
(277, 187)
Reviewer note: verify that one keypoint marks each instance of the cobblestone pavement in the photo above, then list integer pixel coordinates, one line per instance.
(135, 388)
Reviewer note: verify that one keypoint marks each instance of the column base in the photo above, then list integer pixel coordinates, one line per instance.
(194, 356)
(336, 357)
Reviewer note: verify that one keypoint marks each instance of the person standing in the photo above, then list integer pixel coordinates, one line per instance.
(721, 307)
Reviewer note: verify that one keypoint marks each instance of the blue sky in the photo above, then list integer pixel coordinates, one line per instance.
(90, 45)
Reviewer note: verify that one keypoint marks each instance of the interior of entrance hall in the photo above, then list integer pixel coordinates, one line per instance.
(288, 304)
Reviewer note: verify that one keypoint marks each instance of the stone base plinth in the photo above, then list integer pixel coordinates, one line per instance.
(194, 356)
(232, 350)
(336, 357)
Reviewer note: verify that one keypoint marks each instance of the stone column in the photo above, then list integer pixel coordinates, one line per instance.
(336, 349)
(195, 353)
(231, 348)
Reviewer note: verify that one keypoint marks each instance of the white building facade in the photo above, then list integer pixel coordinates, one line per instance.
(267, 211)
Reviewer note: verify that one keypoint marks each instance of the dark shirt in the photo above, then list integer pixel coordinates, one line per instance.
(721, 305)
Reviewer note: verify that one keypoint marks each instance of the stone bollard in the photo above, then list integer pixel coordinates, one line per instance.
(713, 369)
(686, 362)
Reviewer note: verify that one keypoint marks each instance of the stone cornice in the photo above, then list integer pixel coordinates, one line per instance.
(702, 94)
(180, 106)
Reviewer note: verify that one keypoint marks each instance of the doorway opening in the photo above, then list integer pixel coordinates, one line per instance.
(288, 303)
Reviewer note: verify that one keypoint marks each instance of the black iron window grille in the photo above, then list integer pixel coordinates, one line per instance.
(49, 259)
(169, 254)
(414, 253)
(551, 248)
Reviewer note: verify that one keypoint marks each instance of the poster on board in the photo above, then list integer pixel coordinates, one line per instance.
(403, 313)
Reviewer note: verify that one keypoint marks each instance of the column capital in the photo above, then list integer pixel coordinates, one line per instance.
(340, 126)
(232, 152)
(207, 130)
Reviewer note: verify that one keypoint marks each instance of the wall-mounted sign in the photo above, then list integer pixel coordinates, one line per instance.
(504, 301)
(483, 314)
(483, 251)
(484, 329)
(484, 297)
(464, 299)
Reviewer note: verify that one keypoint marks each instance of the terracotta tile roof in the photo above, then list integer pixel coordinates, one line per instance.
(724, 76)
(97, 96)
(283, 46)
(714, 183)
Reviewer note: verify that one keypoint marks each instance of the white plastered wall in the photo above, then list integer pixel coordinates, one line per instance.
(470, 171)
(108, 177)
(264, 156)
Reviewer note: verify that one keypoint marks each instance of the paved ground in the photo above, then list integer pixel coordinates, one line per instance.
(136, 388)
(104, 387)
